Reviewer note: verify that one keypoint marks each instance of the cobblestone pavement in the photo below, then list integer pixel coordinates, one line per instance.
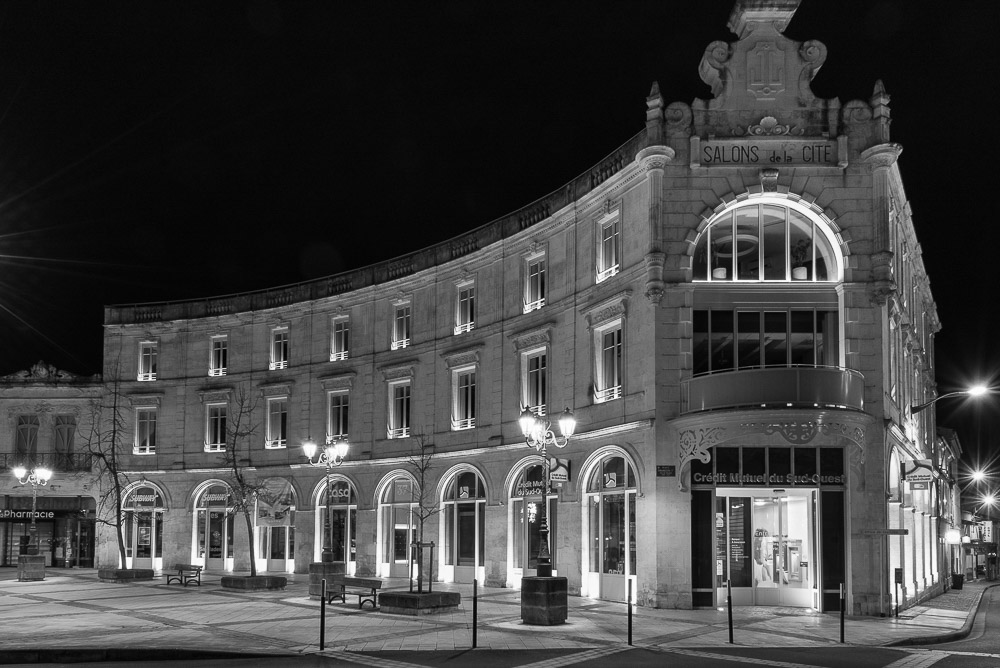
(71, 610)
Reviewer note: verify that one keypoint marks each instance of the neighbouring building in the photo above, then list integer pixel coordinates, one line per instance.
(733, 303)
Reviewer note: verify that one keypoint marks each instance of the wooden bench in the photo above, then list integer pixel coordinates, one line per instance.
(185, 574)
(365, 588)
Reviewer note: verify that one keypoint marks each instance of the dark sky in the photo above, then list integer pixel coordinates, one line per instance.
(169, 150)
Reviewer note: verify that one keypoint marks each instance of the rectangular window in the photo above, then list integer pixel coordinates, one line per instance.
(399, 410)
(608, 250)
(147, 360)
(534, 288)
(277, 422)
(26, 444)
(464, 392)
(535, 391)
(279, 348)
(145, 431)
(336, 424)
(340, 339)
(465, 315)
(215, 426)
(609, 364)
(63, 435)
(218, 361)
(401, 326)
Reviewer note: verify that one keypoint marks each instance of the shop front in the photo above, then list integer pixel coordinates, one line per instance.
(769, 522)
(142, 510)
(275, 522)
(65, 529)
(214, 527)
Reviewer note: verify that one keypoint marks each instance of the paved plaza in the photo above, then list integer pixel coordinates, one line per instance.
(72, 613)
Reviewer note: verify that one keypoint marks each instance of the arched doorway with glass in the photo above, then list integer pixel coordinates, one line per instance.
(397, 523)
(526, 491)
(609, 525)
(343, 521)
(275, 525)
(463, 526)
(213, 529)
(142, 521)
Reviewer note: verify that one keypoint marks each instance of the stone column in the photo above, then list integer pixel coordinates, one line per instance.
(881, 157)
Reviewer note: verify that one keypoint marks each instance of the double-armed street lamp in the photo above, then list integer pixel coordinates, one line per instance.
(37, 477)
(538, 434)
(330, 456)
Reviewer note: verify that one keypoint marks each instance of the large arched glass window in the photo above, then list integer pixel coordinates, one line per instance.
(343, 522)
(398, 524)
(525, 501)
(142, 510)
(611, 536)
(768, 240)
(214, 529)
(464, 508)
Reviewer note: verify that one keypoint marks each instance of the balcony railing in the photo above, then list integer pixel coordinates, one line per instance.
(57, 462)
(775, 387)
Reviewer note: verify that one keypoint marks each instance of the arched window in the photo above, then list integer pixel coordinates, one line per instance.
(275, 525)
(464, 522)
(398, 525)
(341, 534)
(767, 239)
(611, 534)
(525, 503)
(142, 511)
(214, 529)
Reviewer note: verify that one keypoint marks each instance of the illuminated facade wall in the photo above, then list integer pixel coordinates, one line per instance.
(733, 303)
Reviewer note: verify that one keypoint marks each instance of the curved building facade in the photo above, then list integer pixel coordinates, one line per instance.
(733, 305)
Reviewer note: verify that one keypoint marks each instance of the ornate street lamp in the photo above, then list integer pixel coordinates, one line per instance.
(974, 391)
(332, 455)
(38, 477)
(539, 435)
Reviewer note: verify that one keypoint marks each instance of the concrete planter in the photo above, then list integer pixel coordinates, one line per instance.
(125, 575)
(30, 567)
(253, 582)
(414, 604)
(543, 601)
(332, 572)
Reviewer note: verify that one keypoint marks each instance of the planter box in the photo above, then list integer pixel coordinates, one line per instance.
(331, 571)
(124, 575)
(253, 582)
(426, 603)
(543, 600)
(30, 567)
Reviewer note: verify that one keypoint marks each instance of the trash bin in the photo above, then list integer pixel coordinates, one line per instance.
(957, 579)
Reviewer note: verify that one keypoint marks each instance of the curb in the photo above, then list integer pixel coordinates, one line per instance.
(951, 636)
(129, 654)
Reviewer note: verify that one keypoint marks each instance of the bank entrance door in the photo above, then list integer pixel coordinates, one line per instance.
(766, 545)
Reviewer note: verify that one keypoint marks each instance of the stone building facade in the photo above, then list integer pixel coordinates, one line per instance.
(733, 304)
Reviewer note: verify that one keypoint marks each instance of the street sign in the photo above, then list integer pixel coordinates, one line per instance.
(886, 532)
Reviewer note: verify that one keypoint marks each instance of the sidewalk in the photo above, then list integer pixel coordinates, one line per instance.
(72, 613)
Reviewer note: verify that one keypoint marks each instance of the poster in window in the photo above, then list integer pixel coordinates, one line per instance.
(144, 536)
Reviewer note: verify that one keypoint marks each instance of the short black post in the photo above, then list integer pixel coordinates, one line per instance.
(729, 604)
(630, 612)
(897, 599)
(322, 616)
(843, 608)
(475, 610)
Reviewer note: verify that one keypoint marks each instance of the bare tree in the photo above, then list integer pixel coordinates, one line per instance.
(427, 507)
(106, 443)
(239, 433)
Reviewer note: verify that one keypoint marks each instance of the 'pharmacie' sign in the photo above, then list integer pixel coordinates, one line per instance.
(767, 152)
(773, 479)
(8, 514)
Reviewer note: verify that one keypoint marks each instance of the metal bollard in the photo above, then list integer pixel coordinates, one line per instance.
(843, 608)
(322, 616)
(729, 604)
(475, 610)
(629, 599)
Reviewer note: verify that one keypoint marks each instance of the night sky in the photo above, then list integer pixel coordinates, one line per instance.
(171, 150)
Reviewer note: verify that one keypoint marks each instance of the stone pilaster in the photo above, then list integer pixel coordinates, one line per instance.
(654, 159)
(881, 157)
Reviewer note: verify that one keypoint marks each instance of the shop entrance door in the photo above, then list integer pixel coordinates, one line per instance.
(216, 537)
(143, 540)
(766, 544)
(280, 548)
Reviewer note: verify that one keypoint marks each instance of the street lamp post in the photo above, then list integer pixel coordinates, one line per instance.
(539, 435)
(37, 477)
(332, 455)
(974, 391)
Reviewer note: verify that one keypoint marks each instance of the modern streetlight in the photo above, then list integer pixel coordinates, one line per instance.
(332, 455)
(974, 391)
(38, 477)
(539, 435)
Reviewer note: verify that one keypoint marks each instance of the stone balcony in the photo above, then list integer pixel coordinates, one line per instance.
(774, 387)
